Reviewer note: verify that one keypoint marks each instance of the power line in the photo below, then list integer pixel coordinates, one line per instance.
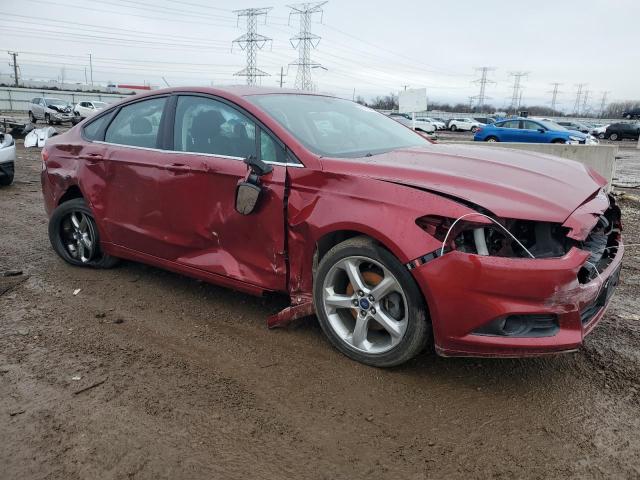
(251, 42)
(585, 101)
(603, 102)
(483, 81)
(554, 95)
(576, 105)
(516, 97)
(304, 42)
(14, 55)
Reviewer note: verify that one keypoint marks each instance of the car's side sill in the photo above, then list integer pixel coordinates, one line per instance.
(128, 254)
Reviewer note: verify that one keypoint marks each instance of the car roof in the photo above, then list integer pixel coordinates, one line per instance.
(232, 90)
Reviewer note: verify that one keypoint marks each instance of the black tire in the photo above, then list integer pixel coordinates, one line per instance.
(491, 139)
(6, 180)
(614, 137)
(58, 228)
(453, 128)
(474, 129)
(418, 330)
(601, 136)
(559, 140)
(32, 118)
(628, 117)
(47, 119)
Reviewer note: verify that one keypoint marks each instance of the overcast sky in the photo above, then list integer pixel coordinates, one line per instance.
(373, 46)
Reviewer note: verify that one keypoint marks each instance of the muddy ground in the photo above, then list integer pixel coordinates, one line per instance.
(188, 383)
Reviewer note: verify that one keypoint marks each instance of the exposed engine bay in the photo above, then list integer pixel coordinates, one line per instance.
(516, 238)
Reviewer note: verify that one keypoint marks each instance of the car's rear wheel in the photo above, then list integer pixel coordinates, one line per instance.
(453, 128)
(491, 139)
(47, 119)
(474, 129)
(613, 136)
(32, 117)
(369, 305)
(559, 140)
(74, 236)
(601, 136)
(628, 117)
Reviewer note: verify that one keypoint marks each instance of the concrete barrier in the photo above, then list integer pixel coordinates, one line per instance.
(602, 158)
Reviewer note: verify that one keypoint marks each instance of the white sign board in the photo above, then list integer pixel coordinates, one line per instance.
(412, 100)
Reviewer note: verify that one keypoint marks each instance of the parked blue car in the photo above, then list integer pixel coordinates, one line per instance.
(530, 131)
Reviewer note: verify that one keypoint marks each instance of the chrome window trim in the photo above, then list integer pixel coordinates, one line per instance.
(159, 150)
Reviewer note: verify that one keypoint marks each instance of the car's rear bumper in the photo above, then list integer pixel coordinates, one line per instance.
(467, 292)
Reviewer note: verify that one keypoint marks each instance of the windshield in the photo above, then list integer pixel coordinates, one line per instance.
(56, 101)
(334, 127)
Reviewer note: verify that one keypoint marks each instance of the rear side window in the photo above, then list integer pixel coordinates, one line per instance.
(204, 125)
(510, 124)
(137, 124)
(95, 129)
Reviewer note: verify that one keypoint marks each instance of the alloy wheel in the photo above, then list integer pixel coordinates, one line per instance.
(78, 236)
(365, 305)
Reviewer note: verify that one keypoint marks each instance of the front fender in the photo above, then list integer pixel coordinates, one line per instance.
(321, 203)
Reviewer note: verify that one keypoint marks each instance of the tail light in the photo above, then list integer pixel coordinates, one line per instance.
(479, 130)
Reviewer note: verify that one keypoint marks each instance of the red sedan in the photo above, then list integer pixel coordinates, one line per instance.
(391, 240)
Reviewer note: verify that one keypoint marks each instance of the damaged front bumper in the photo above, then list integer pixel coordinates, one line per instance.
(467, 294)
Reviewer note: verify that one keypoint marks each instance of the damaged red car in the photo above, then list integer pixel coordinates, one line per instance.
(391, 240)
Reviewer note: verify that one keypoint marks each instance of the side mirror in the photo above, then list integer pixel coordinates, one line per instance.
(247, 195)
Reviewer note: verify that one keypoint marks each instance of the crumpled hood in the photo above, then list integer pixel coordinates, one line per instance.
(509, 183)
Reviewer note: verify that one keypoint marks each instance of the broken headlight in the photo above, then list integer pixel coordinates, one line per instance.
(511, 238)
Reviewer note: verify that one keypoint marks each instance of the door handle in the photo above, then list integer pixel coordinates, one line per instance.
(178, 168)
(93, 157)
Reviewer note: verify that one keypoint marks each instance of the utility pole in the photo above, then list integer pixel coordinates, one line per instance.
(576, 106)
(585, 101)
(91, 69)
(603, 102)
(483, 81)
(405, 86)
(305, 41)
(251, 42)
(517, 94)
(281, 76)
(554, 95)
(16, 80)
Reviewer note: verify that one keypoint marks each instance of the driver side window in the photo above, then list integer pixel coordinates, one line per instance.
(204, 125)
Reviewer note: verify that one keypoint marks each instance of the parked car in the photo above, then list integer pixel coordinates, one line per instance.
(438, 124)
(51, 110)
(633, 113)
(420, 125)
(468, 124)
(598, 129)
(86, 109)
(622, 130)
(7, 159)
(530, 131)
(576, 126)
(485, 120)
(366, 223)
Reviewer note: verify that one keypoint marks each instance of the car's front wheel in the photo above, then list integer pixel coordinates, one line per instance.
(601, 136)
(368, 304)
(474, 129)
(74, 236)
(491, 139)
(32, 117)
(47, 119)
(453, 128)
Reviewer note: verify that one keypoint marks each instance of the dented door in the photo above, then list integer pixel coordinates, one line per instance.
(205, 231)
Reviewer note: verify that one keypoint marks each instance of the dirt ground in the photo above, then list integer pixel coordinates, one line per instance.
(189, 383)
